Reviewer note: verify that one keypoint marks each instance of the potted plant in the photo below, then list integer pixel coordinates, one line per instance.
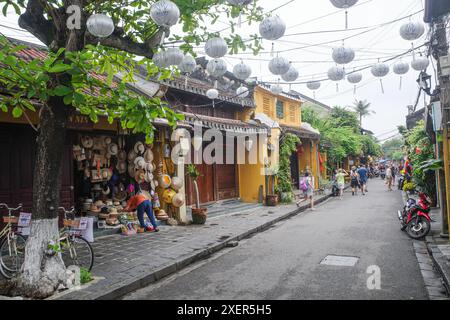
(272, 195)
(198, 214)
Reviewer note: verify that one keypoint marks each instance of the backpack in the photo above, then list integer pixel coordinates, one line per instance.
(304, 184)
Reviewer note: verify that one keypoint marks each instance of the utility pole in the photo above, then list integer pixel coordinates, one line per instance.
(440, 48)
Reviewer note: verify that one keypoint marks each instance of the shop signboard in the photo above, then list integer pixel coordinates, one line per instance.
(80, 122)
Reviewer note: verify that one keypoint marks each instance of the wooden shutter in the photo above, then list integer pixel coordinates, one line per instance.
(293, 113)
(266, 106)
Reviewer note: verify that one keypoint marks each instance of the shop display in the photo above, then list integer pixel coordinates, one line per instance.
(178, 200)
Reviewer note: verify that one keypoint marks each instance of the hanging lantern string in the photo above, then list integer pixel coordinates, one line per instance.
(382, 87)
(346, 19)
(400, 88)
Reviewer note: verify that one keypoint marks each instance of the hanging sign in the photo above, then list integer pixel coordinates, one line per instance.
(80, 122)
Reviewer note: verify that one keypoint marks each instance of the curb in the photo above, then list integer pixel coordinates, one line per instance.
(439, 262)
(168, 269)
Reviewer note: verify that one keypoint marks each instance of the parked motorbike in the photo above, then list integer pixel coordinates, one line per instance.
(415, 218)
(401, 181)
(383, 175)
(335, 189)
(376, 173)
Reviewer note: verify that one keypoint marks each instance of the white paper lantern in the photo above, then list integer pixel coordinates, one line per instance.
(242, 71)
(420, 63)
(216, 68)
(242, 92)
(355, 77)
(100, 25)
(276, 89)
(313, 85)
(343, 4)
(336, 73)
(159, 59)
(188, 64)
(401, 68)
(165, 13)
(174, 56)
(216, 47)
(212, 94)
(412, 30)
(279, 66)
(272, 28)
(380, 70)
(343, 55)
(291, 75)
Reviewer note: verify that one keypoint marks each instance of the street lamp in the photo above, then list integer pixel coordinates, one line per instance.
(424, 82)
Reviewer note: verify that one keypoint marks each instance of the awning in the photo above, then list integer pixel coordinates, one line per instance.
(223, 124)
(305, 131)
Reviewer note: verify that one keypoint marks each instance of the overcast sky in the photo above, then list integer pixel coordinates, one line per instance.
(303, 16)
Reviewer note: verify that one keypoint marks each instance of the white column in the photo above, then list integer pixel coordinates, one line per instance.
(180, 174)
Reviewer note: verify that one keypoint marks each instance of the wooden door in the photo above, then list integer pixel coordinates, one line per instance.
(227, 181)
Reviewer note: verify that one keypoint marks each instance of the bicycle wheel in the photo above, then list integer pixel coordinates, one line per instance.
(76, 250)
(12, 254)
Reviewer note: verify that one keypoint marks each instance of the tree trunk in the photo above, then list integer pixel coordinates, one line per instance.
(197, 195)
(41, 274)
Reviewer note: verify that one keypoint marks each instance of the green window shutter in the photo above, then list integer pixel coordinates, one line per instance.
(280, 110)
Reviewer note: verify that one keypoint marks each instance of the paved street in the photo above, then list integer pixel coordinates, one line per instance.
(284, 262)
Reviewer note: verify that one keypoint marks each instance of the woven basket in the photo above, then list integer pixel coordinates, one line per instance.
(12, 220)
(71, 223)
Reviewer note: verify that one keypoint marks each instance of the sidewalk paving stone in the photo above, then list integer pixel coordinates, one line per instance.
(128, 263)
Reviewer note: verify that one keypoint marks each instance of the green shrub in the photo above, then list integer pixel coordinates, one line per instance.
(85, 276)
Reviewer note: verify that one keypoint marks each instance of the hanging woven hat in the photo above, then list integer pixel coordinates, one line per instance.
(148, 177)
(122, 155)
(178, 200)
(177, 183)
(131, 156)
(113, 149)
(140, 163)
(168, 196)
(139, 148)
(106, 190)
(121, 196)
(122, 167)
(165, 181)
(139, 176)
(131, 169)
(87, 142)
(148, 156)
(107, 140)
(98, 144)
(149, 167)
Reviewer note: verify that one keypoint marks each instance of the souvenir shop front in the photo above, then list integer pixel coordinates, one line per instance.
(103, 166)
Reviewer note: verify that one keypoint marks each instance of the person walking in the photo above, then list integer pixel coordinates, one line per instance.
(363, 174)
(354, 181)
(389, 178)
(309, 193)
(340, 179)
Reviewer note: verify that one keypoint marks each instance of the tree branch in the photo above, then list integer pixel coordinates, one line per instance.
(33, 20)
(122, 42)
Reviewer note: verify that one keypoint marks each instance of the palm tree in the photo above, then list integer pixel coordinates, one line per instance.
(363, 109)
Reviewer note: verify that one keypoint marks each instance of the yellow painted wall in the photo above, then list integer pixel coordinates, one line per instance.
(266, 103)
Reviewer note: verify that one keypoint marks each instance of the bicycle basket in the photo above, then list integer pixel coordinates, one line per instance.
(12, 220)
(71, 223)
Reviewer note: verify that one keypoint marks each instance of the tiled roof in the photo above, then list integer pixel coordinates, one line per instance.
(302, 132)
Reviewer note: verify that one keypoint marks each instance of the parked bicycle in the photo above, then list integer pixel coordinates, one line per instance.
(75, 250)
(12, 244)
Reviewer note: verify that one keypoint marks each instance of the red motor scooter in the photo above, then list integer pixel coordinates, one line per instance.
(415, 217)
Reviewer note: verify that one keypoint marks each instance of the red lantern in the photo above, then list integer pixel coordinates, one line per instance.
(300, 150)
(418, 150)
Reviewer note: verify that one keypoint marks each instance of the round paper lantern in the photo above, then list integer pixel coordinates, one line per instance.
(313, 85)
(216, 68)
(242, 92)
(336, 73)
(165, 13)
(343, 4)
(216, 47)
(272, 28)
(212, 94)
(242, 71)
(188, 64)
(401, 68)
(343, 55)
(159, 59)
(100, 25)
(412, 30)
(174, 56)
(354, 77)
(279, 66)
(276, 89)
(380, 70)
(291, 75)
(420, 63)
